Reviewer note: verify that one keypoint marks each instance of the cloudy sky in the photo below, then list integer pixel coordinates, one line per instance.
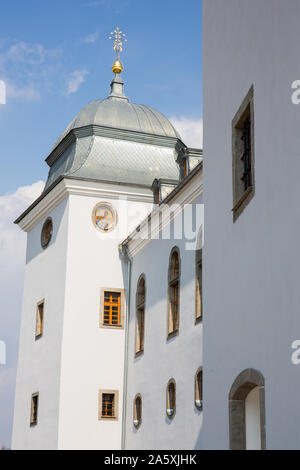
(55, 56)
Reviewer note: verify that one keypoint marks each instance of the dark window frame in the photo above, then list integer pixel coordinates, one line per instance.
(243, 167)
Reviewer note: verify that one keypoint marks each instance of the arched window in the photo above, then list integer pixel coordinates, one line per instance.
(137, 411)
(247, 411)
(199, 276)
(140, 315)
(173, 292)
(198, 389)
(171, 399)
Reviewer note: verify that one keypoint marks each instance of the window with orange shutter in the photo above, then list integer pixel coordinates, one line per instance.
(108, 405)
(112, 309)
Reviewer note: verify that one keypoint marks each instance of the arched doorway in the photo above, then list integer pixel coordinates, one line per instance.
(247, 411)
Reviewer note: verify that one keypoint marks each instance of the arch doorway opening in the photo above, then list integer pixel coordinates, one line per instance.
(247, 412)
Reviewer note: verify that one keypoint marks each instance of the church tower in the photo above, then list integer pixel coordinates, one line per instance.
(69, 392)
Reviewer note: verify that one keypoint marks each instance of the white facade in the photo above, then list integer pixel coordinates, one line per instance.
(163, 359)
(77, 373)
(74, 358)
(39, 362)
(251, 267)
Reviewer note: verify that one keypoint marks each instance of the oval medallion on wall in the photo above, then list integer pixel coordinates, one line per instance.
(104, 217)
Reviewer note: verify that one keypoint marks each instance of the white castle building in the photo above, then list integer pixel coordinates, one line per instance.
(120, 346)
(80, 360)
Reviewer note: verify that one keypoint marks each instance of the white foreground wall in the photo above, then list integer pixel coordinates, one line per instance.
(252, 268)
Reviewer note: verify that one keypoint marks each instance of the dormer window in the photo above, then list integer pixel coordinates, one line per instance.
(185, 167)
(183, 162)
(161, 188)
(188, 158)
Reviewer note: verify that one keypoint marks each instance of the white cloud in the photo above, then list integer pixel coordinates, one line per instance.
(27, 68)
(191, 130)
(76, 79)
(91, 38)
(27, 93)
(12, 263)
(33, 54)
(12, 239)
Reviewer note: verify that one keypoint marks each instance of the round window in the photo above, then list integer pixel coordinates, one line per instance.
(104, 217)
(46, 232)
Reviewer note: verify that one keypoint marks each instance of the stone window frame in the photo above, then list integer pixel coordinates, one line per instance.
(46, 241)
(116, 405)
(139, 345)
(137, 413)
(242, 198)
(173, 330)
(245, 382)
(199, 390)
(34, 420)
(122, 307)
(39, 320)
(168, 403)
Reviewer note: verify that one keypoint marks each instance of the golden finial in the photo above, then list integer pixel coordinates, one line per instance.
(118, 38)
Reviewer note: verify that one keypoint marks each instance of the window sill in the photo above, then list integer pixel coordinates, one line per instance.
(139, 353)
(112, 327)
(108, 418)
(244, 200)
(172, 334)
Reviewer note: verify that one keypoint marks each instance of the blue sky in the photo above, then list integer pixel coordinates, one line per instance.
(43, 44)
(55, 56)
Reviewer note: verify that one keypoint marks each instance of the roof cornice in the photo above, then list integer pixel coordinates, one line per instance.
(78, 186)
(185, 193)
(112, 133)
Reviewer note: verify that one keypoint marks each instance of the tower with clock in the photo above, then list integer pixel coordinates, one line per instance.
(70, 376)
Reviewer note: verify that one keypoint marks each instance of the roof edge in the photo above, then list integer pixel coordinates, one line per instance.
(67, 177)
(123, 246)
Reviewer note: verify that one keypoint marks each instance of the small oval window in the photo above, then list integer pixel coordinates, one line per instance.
(171, 399)
(198, 389)
(137, 411)
(46, 234)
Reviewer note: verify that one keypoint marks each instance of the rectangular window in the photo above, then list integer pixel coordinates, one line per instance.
(112, 308)
(243, 155)
(108, 404)
(39, 319)
(34, 409)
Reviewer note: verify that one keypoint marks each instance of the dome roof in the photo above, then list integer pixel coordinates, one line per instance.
(115, 141)
(117, 112)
